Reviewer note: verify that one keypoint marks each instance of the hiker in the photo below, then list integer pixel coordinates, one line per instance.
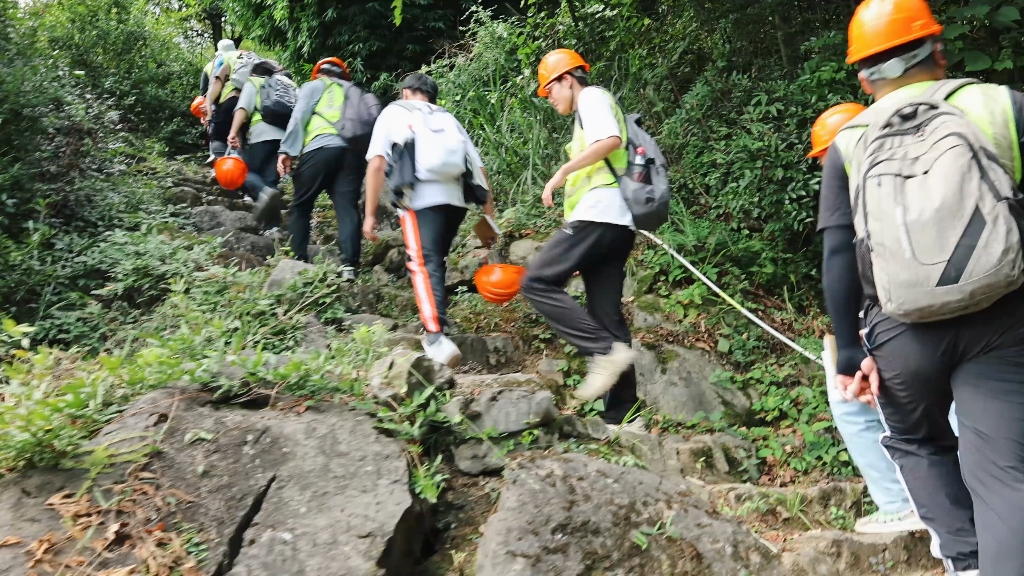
(596, 239)
(431, 213)
(225, 45)
(858, 423)
(221, 99)
(266, 124)
(326, 163)
(921, 219)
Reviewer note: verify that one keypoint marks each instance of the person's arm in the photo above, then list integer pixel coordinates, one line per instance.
(295, 134)
(488, 208)
(843, 296)
(841, 283)
(374, 184)
(216, 87)
(246, 104)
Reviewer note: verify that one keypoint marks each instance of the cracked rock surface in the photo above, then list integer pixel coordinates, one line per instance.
(573, 516)
(275, 493)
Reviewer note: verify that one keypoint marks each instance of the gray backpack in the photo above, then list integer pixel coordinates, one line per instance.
(359, 114)
(647, 202)
(937, 216)
(277, 100)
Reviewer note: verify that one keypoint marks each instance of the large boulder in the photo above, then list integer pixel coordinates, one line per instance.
(404, 373)
(508, 410)
(521, 252)
(209, 218)
(283, 275)
(230, 203)
(678, 382)
(573, 515)
(375, 252)
(394, 262)
(183, 196)
(833, 553)
(492, 354)
(719, 458)
(235, 241)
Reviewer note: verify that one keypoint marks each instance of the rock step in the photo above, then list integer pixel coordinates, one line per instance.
(834, 553)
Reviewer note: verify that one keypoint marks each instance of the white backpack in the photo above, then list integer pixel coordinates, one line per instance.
(440, 147)
(937, 216)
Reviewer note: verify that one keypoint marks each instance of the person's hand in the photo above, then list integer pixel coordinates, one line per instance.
(863, 386)
(369, 227)
(284, 164)
(204, 121)
(557, 181)
(233, 141)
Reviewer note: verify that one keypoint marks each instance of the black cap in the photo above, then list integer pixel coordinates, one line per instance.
(421, 83)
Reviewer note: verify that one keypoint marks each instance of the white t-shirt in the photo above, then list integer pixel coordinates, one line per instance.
(598, 119)
(393, 126)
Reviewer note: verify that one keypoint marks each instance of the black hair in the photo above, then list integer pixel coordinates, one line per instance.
(901, 50)
(422, 84)
(332, 70)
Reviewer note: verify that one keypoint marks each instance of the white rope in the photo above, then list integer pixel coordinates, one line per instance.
(728, 299)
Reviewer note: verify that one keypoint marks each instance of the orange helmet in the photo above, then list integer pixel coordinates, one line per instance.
(231, 171)
(498, 283)
(556, 63)
(197, 106)
(332, 60)
(829, 124)
(879, 25)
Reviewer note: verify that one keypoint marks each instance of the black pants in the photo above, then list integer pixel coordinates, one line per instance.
(969, 493)
(598, 251)
(429, 233)
(261, 159)
(339, 172)
(223, 115)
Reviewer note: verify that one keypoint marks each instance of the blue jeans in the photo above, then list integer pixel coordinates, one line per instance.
(861, 428)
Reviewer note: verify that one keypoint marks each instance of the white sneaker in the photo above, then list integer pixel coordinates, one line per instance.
(348, 274)
(604, 370)
(889, 522)
(444, 351)
(209, 161)
(248, 200)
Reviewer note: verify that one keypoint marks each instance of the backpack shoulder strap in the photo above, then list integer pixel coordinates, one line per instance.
(943, 89)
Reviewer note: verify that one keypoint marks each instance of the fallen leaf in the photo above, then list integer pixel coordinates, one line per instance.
(11, 541)
(158, 528)
(301, 409)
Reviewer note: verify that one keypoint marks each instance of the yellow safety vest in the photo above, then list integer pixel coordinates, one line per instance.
(230, 58)
(987, 105)
(327, 111)
(209, 69)
(597, 175)
(256, 117)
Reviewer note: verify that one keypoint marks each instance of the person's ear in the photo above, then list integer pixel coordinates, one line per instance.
(865, 84)
(940, 56)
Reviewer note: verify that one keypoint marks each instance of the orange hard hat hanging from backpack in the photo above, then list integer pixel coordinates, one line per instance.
(556, 63)
(828, 125)
(879, 25)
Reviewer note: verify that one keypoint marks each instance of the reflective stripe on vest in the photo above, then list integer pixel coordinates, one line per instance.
(327, 111)
(987, 105)
(596, 175)
(230, 58)
(256, 116)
